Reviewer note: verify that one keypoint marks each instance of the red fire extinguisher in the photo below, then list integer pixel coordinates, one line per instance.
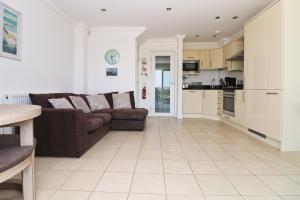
(144, 93)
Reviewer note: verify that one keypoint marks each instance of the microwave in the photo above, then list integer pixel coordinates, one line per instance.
(191, 66)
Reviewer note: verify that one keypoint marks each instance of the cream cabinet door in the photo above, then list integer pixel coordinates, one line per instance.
(204, 59)
(210, 102)
(274, 25)
(192, 102)
(240, 107)
(274, 116)
(256, 59)
(256, 110)
(216, 58)
(191, 55)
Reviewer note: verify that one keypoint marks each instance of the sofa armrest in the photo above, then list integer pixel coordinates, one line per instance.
(61, 132)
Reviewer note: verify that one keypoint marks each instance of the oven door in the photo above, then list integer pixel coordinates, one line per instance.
(228, 104)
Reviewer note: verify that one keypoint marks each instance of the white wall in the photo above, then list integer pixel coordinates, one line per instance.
(145, 51)
(121, 39)
(47, 52)
(291, 107)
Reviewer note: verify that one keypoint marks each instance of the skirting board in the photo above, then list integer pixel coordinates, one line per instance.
(201, 116)
(267, 140)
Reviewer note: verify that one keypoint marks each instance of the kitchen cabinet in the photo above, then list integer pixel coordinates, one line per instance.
(192, 101)
(191, 55)
(263, 50)
(240, 107)
(235, 65)
(264, 112)
(216, 58)
(210, 102)
(233, 48)
(204, 59)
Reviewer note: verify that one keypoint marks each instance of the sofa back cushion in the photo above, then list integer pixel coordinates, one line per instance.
(121, 101)
(41, 99)
(61, 103)
(131, 95)
(98, 102)
(79, 103)
(109, 98)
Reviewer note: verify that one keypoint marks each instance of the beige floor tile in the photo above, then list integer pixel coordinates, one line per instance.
(261, 168)
(148, 184)
(182, 185)
(216, 185)
(115, 182)
(290, 197)
(43, 163)
(52, 180)
(206, 141)
(211, 147)
(185, 197)
(127, 154)
(220, 156)
(151, 146)
(205, 167)
(173, 155)
(282, 185)
(196, 155)
(95, 164)
(82, 181)
(295, 178)
(69, 164)
(146, 197)
(232, 147)
(232, 168)
(262, 198)
(176, 167)
(224, 198)
(70, 195)
(245, 157)
(122, 165)
(42, 194)
(250, 185)
(104, 153)
(108, 196)
(149, 166)
(285, 167)
(267, 156)
(150, 155)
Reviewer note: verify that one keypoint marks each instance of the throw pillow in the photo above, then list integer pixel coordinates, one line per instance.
(79, 103)
(61, 103)
(98, 102)
(121, 101)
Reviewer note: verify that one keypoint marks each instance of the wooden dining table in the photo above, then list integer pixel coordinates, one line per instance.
(21, 116)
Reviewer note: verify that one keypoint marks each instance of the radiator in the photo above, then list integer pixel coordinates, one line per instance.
(13, 99)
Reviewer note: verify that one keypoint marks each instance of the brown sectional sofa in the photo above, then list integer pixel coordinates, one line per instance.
(71, 132)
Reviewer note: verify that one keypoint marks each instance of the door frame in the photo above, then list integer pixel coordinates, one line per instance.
(172, 83)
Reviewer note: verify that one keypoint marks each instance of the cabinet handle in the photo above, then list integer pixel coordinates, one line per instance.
(244, 100)
(192, 91)
(204, 95)
(272, 93)
(190, 57)
(210, 64)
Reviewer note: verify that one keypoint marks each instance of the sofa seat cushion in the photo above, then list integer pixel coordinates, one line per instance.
(105, 116)
(93, 124)
(130, 114)
(108, 110)
(12, 156)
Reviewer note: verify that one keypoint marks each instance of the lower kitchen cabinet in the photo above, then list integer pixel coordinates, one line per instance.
(192, 101)
(210, 102)
(264, 112)
(240, 107)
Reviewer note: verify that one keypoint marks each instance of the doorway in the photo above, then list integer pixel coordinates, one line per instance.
(162, 101)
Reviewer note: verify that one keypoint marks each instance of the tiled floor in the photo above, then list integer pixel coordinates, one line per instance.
(173, 160)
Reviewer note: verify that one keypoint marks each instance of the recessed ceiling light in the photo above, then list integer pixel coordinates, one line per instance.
(196, 35)
(169, 9)
(235, 17)
(103, 10)
(217, 32)
(217, 17)
(214, 36)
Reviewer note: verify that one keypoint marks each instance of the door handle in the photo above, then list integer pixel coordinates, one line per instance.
(272, 93)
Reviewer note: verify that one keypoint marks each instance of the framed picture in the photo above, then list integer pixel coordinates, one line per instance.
(10, 32)
(111, 72)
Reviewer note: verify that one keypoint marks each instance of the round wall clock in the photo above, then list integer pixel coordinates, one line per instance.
(112, 57)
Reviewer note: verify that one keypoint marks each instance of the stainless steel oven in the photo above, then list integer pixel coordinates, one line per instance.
(228, 103)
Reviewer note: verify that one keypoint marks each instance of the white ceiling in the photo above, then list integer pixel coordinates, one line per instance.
(188, 17)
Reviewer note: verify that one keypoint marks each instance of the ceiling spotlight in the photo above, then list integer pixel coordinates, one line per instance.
(217, 32)
(169, 9)
(197, 36)
(103, 10)
(214, 36)
(235, 17)
(217, 17)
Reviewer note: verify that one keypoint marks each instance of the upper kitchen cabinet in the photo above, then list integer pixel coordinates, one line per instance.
(234, 51)
(204, 59)
(263, 50)
(216, 58)
(191, 55)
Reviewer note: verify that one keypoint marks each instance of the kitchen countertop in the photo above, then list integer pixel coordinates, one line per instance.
(217, 87)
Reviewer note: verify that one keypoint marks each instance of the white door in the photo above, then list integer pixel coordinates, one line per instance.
(162, 84)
